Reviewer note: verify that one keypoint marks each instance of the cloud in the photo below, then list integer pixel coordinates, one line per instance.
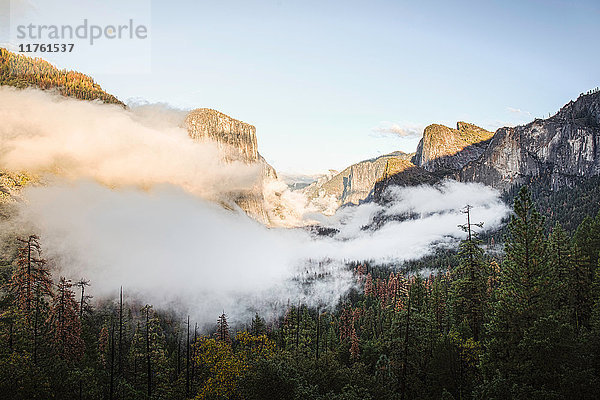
(518, 111)
(387, 128)
(47, 134)
(429, 215)
(172, 249)
(168, 247)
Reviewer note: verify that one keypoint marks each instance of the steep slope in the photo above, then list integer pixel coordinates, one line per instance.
(357, 182)
(403, 173)
(560, 150)
(238, 141)
(21, 71)
(554, 153)
(444, 148)
(441, 153)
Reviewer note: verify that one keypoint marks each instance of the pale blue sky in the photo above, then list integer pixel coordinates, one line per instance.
(316, 77)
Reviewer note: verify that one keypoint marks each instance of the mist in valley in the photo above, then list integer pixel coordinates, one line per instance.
(128, 199)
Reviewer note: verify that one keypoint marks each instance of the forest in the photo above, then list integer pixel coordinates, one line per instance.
(520, 324)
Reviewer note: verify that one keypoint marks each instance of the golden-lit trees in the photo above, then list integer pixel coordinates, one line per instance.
(22, 71)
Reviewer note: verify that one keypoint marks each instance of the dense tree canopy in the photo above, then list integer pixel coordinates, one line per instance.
(524, 324)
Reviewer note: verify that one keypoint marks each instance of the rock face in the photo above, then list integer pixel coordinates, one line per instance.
(236, 137)
(238, 141)
(445, 148)
(560, 150)
(442, 152)
(403, 174)
(357, 182)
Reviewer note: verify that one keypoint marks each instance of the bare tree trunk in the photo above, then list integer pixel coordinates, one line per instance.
(178, 339)
(318, 330)
(112, 356)
(193, 356)
(187, 360)
(148, 352)
(297, 327)
(35, 331)
(121, 343)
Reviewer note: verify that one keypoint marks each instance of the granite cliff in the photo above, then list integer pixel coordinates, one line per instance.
(238, 142)
(441, 153)
(561, 150)
(445, 148)
(357, 182)
(557, 152)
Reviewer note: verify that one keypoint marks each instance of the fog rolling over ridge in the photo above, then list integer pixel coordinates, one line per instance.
(130, 200)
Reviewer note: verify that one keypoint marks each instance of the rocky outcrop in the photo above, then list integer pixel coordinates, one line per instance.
(441, 153)
(236, 138)
(557, 152)
(357, 182)
(238, 142)
(444, 148)
(560, 150)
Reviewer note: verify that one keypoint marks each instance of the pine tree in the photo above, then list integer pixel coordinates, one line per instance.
(258, 326)
(30, 288)
(369, 285)
(525, 277)
(587, 237)
(30, 282)
(469, 286)
(571, 278)
(65, 323)
(522, 298)
(223, 329)
(148, 355)
(354, 348)
(84, 298)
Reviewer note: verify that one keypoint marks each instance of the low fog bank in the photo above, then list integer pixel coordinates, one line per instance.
(172, 249)
(50, 135)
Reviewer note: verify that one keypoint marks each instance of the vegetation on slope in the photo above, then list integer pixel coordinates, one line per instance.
(21, 71)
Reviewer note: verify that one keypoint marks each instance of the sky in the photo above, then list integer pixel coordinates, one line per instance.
(330, 83)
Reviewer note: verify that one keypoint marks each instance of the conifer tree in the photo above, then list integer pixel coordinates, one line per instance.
(523, 296)
(571, 278)
(258, 326)
(30, 281)
(354, 348)
(525, 276)
(469, 285)
(65, 323)
(223, 329)
(587, 237)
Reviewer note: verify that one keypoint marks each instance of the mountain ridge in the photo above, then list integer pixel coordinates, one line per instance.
(356, 183)
(560, 150)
